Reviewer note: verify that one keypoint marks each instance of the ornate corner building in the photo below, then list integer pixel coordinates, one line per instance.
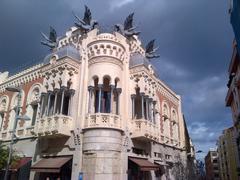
(98, 110)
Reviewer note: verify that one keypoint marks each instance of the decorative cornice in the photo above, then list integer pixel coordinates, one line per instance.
(22, 77)
(152, 82)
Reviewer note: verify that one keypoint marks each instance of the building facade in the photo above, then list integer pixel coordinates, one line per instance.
(98, 110)
(232, 99)
(212, 165)
(227, 151)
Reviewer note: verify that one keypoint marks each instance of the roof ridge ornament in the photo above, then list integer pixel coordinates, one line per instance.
(150, 50)
(52, 40)
(127, 30)
(87, 23)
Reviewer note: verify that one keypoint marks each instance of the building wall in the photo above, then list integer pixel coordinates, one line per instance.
(227, 149)
(212, 165)
(233, 98)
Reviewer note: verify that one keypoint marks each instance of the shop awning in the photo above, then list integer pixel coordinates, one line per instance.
(144, 164)
(51, 164)
(160, 163)
(20, 163)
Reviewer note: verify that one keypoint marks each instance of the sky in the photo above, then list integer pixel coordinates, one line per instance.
(194, 38)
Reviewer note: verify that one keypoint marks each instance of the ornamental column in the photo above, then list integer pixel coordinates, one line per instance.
(49, 93)
(72, 91)
(111, 97)
(133, 97)
(150, 109)
(154, 104)
(142, 100)
(100, 86)
(90, 92)
(147, 108)
(119, 90)
(62, 99)
(55, 101)
(43, 98)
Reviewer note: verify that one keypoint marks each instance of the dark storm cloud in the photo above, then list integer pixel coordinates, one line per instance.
(194, 38)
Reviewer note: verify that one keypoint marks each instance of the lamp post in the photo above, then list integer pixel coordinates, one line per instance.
(17, 117)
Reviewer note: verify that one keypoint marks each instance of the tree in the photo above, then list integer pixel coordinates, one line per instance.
(179, 169)
(4, 152)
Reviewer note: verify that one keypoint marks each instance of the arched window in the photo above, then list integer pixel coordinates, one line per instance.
(3, 109)
(33, 101)
(165, 110)
(14, 111)
(174, 125)
(166, 122)
(106, 96)
(174, 115)
(137, 106)
(58, 101)
(103, 97)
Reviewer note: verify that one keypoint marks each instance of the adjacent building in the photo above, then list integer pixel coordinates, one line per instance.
(227, 151)
(212, 165)
(231, 136)
(98, 110)
(235, 19)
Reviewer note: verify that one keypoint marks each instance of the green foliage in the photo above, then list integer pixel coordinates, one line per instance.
(4, 151)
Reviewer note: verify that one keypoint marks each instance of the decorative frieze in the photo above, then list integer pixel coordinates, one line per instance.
(106, 48)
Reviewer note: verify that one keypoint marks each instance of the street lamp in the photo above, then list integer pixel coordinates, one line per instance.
(17, 117)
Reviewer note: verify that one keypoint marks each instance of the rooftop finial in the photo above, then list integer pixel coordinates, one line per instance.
(127, 29)
(87, 23)
(52, 40)
(150, 50)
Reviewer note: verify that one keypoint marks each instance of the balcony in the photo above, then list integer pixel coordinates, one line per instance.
(58, 125)
(103, 120)
(19, 134)
(5, 135)
(145, 130)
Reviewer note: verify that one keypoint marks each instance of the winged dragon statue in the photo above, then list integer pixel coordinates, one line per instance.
(127, 30)
(87, 23)
(52, 40)
(150, 51)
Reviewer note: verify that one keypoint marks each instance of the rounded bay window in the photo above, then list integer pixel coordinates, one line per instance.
(104, 98)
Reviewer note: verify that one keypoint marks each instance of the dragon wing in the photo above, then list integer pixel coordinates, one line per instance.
(53, 35)
(128, 23)
(45, 37)
(87, 16)
(149, 46)
(78, 18)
